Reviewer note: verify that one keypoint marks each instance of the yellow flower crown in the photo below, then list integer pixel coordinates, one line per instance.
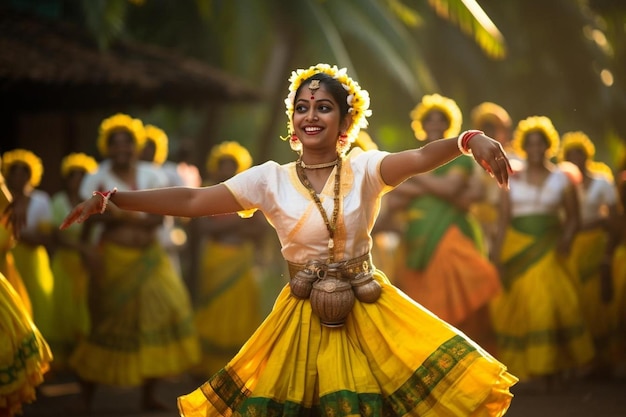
(579, 140)
(78, 160)
(123, 122)
(25, 157)
(436, 102)
(489, 111)
(159, 138)
(576, 140)
(358, 102)
(601, 169)
(230, 149)
(534, 124)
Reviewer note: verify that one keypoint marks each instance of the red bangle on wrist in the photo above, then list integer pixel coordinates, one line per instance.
(468, 135)
(106, 196)
(464, 138)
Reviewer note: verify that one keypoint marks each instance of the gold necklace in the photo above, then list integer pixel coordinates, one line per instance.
(318, 166)
(330, 224)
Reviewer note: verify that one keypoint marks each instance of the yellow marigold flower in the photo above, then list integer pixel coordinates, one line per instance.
(576, 140)
(443, 104)
(78, 160)
(602, 170)
(535, 124)
(490, 112)
(160, 140)
(230, 149)
(120, 121)
(25, 157)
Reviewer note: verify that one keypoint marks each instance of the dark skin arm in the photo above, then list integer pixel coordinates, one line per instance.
(572, 221)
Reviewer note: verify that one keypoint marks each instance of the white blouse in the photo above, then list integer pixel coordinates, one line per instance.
(277, 191)
(529, 198)
(600, 193)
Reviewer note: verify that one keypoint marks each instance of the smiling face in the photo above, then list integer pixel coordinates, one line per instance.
(578, 157)
(535, 146)
(18, 176)
(317, 118)
(122, 148)
(435, 123)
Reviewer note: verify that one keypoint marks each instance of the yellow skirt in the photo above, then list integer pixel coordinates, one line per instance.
(391, 357)
(70, 303)
(24, 354)
(619, 297)
(538, 321)
(33, 265)
(585, 259)
(10, 272)
(228, 305)
(142, 325)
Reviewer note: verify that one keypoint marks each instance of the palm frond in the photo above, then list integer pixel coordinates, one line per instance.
(472, 20)
(388, 40)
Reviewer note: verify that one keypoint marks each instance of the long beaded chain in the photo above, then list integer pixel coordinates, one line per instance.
(332, 224)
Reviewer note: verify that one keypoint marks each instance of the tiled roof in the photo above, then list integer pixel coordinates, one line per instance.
(50, 64)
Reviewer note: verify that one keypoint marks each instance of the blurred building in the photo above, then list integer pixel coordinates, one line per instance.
(57, 85)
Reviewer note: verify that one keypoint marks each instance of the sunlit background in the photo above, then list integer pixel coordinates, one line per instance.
(212, 70)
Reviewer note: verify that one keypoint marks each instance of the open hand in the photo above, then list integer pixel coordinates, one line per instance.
(82, 211)
(490, 155)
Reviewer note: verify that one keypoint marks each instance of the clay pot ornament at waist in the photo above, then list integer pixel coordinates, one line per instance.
(332, 298)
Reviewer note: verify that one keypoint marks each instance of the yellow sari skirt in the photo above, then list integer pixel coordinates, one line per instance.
(10, 272)
(538, 320)
(70, 303)
(24, 354)
(391, 357)
(33, 265)
(585, 260)
(619, 297)
(142, 321)
(228, 305)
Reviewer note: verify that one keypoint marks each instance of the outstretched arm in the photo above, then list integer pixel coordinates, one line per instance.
(397, 167)
(171, 201)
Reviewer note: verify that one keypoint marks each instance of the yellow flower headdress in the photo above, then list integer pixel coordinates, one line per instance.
(159, 138)
(534, 124)
(601, 169)
(25, 157)
(576, 140)
(488, 111)
(230, 149)
(579, 140)
(116, 122)
(436, 102)
(358, 102)
(78, 160)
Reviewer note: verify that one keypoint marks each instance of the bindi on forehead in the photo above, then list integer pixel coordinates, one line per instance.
(314, 85)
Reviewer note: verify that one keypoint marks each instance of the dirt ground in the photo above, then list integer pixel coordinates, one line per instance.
(600, 398)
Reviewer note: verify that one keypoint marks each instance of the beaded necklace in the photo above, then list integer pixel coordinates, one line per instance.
(330, 224)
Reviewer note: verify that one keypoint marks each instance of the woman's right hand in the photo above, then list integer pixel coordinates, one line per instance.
(82, 211)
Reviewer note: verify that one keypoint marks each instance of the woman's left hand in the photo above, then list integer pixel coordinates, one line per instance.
(492, 157)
